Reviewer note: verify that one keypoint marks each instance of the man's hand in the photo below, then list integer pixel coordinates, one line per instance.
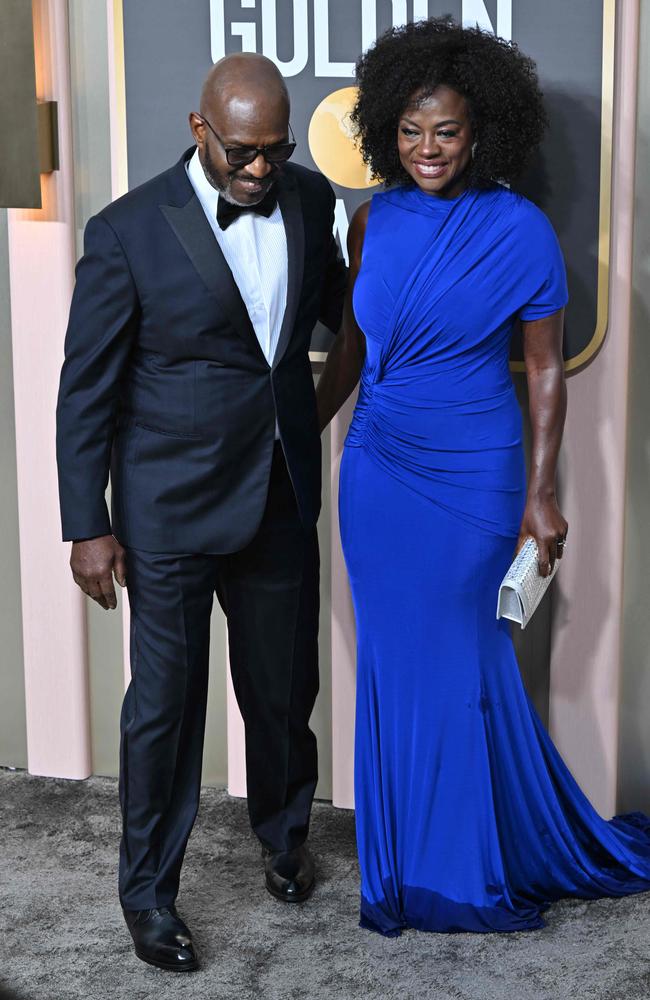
(93, 563)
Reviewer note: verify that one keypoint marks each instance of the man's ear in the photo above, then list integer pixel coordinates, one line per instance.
(197, 128)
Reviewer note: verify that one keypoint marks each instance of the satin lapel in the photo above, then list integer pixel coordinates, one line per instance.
(289, 201)
(193, 232)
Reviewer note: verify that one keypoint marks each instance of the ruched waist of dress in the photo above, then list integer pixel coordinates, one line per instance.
(434, 410)
(464, 454)
(360, 416)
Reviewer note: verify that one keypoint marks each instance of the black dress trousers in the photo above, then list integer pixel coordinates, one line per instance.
(269, 592)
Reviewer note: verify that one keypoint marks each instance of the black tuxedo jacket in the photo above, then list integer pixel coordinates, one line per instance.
(164, 380)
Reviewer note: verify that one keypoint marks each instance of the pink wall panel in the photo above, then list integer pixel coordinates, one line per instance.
(586, 640)
(41, 258)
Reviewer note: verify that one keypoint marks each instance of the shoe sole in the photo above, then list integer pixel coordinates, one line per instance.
(164, 965)
(293, 898)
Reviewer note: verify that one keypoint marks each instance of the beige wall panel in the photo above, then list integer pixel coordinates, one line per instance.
(105, 667)
(13, 739)
(41, 255)
(587, 608)
(634, 762)
(92, 190)
(90, 122)
(215, 753)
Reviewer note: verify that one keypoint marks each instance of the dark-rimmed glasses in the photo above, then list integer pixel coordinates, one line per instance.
(241, 156)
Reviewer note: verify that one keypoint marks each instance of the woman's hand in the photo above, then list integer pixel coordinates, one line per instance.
(542, 519)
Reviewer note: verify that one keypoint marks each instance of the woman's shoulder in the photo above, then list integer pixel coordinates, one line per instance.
(372, 207)
(526, 228)
(528, 234)
(401, 197)
(359, 218)
(528, 217)
(371, 220)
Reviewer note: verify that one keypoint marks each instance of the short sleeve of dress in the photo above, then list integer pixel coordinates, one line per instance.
(545, 271)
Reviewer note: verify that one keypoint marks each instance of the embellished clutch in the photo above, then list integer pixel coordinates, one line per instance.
(522, 588)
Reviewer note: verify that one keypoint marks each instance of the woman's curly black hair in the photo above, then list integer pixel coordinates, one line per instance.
(498, 82)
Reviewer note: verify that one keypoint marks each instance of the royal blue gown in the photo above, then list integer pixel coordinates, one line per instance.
(467, 817)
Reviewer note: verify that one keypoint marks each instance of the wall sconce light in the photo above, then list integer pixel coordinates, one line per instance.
(28, 129)
(48, 136)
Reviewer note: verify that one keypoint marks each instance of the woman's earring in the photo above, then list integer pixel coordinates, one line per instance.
(474, 145)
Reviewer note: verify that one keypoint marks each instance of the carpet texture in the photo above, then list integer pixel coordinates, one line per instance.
(63, 936)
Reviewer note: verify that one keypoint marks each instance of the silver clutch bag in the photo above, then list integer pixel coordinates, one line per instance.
(522, 588)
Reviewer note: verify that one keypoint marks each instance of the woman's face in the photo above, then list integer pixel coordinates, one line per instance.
(434, 139)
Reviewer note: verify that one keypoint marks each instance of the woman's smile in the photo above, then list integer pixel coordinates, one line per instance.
(429, 170)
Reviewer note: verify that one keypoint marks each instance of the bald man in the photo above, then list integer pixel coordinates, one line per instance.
(187, 372)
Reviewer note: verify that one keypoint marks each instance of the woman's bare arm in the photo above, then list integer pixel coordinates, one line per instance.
(345, 358)
(547, 406)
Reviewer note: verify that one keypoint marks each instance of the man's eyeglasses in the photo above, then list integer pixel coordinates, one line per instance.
(241, 156)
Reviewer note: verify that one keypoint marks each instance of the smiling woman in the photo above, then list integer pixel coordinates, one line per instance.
(467, 818)
(485, 84)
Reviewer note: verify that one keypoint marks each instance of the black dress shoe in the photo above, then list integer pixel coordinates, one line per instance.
(162, 939)
(289, 874)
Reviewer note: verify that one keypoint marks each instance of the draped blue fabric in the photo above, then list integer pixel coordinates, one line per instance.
(467, 818)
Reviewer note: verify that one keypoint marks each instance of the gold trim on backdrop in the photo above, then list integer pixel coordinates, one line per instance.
(605, 208)
(120, 170)
(605, 202)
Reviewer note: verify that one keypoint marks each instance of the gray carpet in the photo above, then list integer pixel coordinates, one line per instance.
(63, 936)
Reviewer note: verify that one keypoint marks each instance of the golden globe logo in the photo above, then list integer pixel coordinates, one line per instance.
(331, 141)
(295, 25)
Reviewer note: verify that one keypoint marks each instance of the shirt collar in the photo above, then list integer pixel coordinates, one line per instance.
(207, 195)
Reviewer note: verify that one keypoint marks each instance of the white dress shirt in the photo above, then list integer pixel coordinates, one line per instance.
(255, 249)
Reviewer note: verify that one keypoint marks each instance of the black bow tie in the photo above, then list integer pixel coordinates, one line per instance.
(227, 212)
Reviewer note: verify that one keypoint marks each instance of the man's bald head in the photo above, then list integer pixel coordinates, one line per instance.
(243, 78)
(244, 104)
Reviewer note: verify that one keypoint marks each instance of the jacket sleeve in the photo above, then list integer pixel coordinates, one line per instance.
(335, 277)
(104, 318)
